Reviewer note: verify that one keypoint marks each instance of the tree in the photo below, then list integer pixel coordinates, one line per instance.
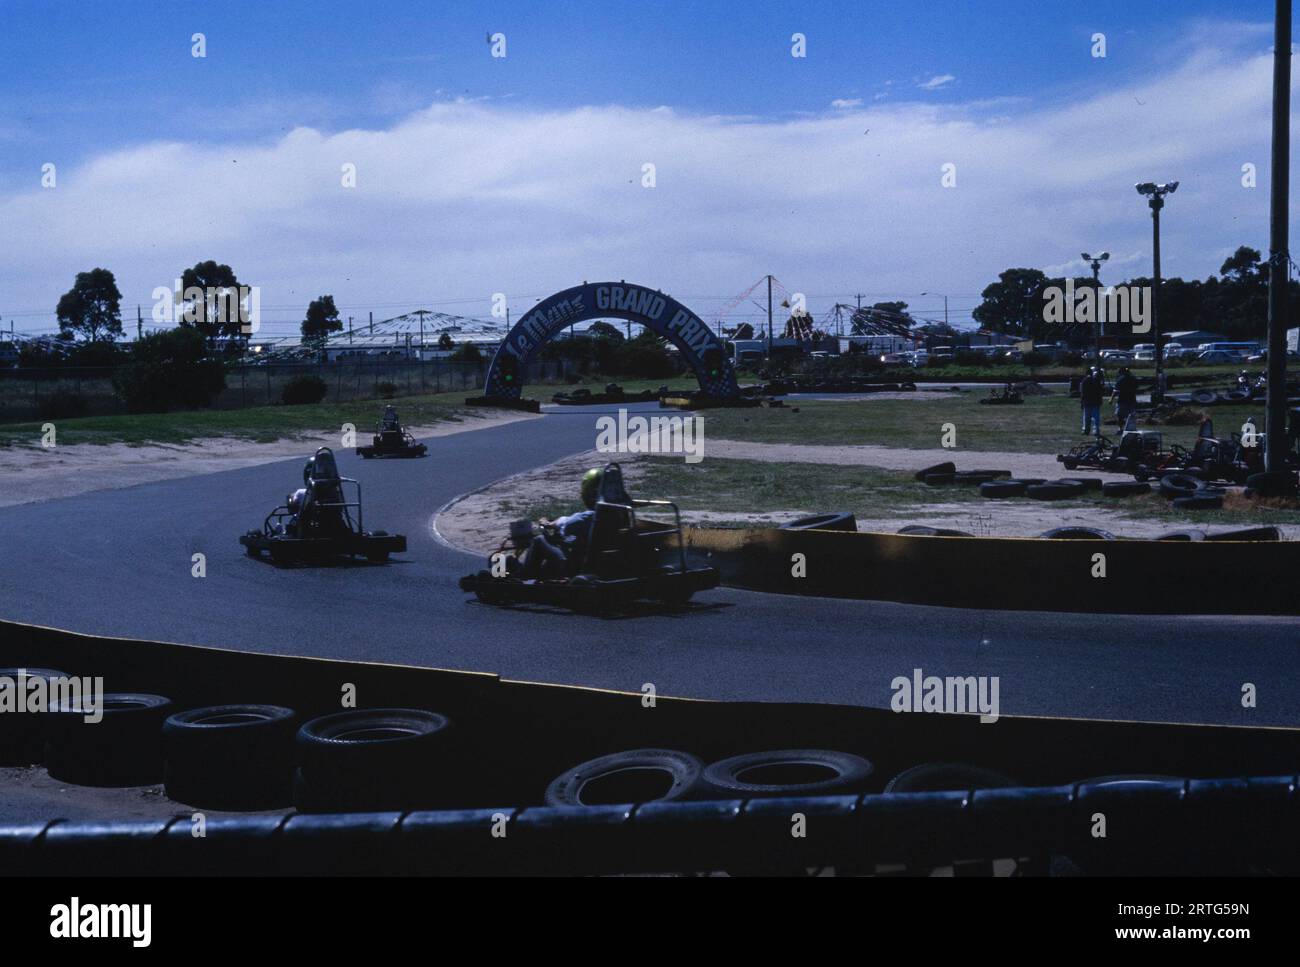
(467, 353)
(214, 310)
(322, 319)
(445, 342)
(1014, 304)
(883, 318)
(167, 370)
(603, 330)
(91, 308)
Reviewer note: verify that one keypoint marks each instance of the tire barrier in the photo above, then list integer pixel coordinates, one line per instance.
(1077, 534)
(787, 772)
(946, 467)
(370, 759)
(1243, 825)
(1247, 534)
(1003, 488)
(924, 530)
(21, 739)
(1089, 483)
(940, 479)
(1180, 485)
(230, 756)
(1272, 484)
(1124, 488)
(1205, 500)
(1004, 573)
(638, 776)
(123, 749)
(1188, 534)
(948, 777)
(823, 522)
(1055, 490)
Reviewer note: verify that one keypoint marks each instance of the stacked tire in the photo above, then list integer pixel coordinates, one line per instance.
(22, 737)
(115, 743)
(230, 756)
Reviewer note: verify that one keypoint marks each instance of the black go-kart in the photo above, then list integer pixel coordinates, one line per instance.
(628, 558)
(315, 522)
(391, 440)
(1009, 397)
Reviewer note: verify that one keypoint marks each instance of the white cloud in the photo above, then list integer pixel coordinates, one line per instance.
(843, 103)
(461, 200)
(936, 82)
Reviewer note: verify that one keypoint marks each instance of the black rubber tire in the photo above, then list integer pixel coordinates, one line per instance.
(1089, 483)
(1069, 463)
(1236, 396)
(123, 749)
(377, 557)
(924, 530)
(1077, 534)
(785, 772)
(947, 467)
(948, 777)
(1180, 485)
(230, 756)
(1204, 397)
(1055, 490)
(378, 759)
(638, 775)
(972, 478)
(1247, 534)
(1207, 500)
(940, 479)
(1003, 488)
(1272, 484)
(823, 522)
(1125, 488)
(995, 474)
(1187, 534)
(21, 736)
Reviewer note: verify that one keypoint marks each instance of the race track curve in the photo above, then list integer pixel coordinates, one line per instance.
(117, 562)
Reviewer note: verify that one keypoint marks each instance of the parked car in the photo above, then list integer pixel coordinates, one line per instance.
(895, 359)
(1217, 356)
(1145, 356)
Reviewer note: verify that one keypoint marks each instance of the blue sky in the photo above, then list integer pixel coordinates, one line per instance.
(708, 92)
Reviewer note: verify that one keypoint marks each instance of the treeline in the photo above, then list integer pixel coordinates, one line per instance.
(1234, 303)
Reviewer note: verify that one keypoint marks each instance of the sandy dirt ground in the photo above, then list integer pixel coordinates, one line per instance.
(32, 473)
(477, 521)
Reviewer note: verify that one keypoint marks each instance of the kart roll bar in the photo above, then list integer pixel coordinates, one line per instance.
(283, 510)
(677, 518)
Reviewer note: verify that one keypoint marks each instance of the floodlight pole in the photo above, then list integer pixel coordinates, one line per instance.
(1275, 441)
(1096, 280)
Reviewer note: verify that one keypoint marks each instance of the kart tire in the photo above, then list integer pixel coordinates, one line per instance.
(1125, 488)
(948, 777)
(1272, 484)
(377, 759)
(940, 479)
(823, 522)
(1180, 484)
(377, 557)
(1055, 490)
(230, 756)
(122, 749)
(948, 467)
(1077, 534)
(785, 772)
(21, 742)
(1089, 483)
(1208, 500)
(1069, 463)
(924, 530)
(1188, 534)
(1204, 397)
(1003, 488)
(638, 775)
(1247, 534)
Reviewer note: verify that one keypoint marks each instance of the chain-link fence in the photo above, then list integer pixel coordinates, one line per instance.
(65, 392)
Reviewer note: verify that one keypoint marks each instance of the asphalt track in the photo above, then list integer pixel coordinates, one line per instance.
(118, 562)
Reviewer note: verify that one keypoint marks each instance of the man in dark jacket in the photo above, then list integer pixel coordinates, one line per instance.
(1091, 391)
(1125, 396)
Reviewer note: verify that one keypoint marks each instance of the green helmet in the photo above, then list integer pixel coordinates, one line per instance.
(591, 485)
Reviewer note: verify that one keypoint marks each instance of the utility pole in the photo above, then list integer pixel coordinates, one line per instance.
(1096, 282)
(1156, 199)
(349, 330)
(1279, 258)
(139, 323)
(372, 323)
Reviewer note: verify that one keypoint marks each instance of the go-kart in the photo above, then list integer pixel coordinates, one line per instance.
(628, 558)
(315, 522)
(1008, 397)
(391, 440)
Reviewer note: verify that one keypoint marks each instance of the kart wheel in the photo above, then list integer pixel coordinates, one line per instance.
(1070, 463)
(252, 550)
(676, 598)
(377, 557)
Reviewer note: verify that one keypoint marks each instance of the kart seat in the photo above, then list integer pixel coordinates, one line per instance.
(611, 486)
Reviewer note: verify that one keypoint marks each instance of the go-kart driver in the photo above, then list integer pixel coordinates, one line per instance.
(562, 545)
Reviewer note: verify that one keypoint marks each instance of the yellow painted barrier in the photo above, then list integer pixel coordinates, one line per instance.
(1008, 573)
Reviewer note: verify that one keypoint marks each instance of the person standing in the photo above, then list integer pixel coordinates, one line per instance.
(1090, 393)
(1124, 396)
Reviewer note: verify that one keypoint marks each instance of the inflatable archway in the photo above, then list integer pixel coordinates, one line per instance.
(659, 313)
